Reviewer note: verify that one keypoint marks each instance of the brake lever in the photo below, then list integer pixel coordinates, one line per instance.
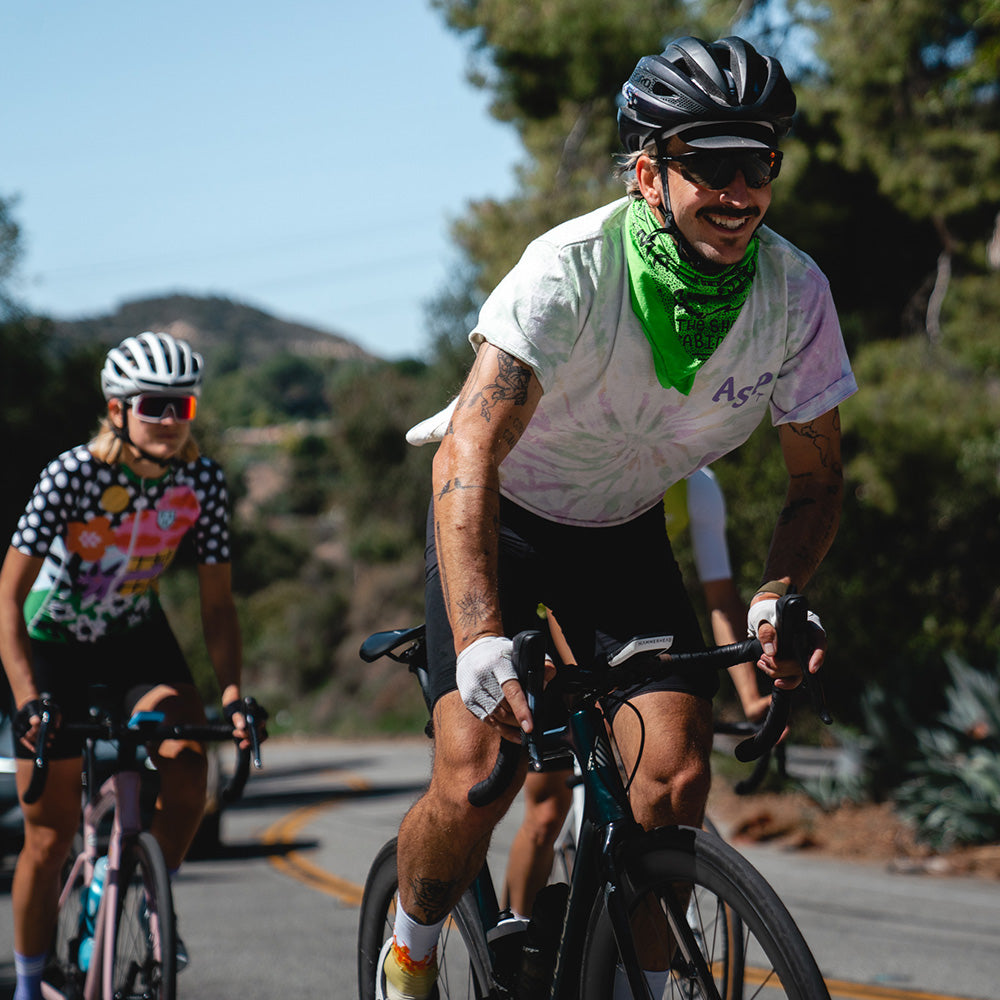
(529, 654)
(794, 627)
(252, 712)
(40, 763)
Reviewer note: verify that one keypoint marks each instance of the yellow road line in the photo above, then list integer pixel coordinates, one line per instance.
(297, 866)
(840, 988)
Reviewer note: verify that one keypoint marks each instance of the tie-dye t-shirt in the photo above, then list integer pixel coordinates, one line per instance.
(106, 536)
(607, 440)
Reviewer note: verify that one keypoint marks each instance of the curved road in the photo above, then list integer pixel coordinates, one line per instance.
(276, 913)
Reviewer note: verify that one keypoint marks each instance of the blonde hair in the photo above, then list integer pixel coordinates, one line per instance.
(109, 448)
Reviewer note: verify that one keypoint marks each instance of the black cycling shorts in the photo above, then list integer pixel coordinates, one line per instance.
(604, 585)
(126, 666)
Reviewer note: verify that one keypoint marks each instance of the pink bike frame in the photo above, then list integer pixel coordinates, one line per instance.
(119, 795)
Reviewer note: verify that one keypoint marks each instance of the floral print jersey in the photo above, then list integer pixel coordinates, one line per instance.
(106, 536)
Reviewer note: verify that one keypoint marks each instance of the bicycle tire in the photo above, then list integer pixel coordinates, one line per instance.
(657, 866)
(144, 966)
(63, 977)
(464, 971)
(730, 939)
(733, 957)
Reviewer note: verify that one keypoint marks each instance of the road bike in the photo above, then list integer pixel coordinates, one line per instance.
(730, 954)
(128, 949)
(569, 834)
(668, 902)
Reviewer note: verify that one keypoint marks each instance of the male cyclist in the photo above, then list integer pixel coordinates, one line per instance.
(79, 606)
(627, 349)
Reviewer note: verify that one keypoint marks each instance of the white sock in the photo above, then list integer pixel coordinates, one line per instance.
(418, 939)
(657, 983)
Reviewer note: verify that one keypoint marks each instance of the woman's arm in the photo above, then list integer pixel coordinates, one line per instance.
(16, 577)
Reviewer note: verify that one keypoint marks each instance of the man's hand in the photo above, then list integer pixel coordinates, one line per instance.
(786, 673)
(489, 686)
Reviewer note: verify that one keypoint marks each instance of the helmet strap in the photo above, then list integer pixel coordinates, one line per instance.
(685, 247)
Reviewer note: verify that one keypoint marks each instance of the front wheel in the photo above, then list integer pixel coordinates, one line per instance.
(463, 959)
(63, 978)
(682, 889)
(145, 959)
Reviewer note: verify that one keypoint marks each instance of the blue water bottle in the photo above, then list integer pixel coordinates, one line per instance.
(91, 902)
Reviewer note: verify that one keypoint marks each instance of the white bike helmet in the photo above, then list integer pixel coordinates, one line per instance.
(151, 362)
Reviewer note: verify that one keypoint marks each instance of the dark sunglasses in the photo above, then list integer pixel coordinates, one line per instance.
(716, 171)
(155, 408)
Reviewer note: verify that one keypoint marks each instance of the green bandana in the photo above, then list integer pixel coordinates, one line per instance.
(685, 314)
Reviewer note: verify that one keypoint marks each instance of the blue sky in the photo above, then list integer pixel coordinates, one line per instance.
(304, 157)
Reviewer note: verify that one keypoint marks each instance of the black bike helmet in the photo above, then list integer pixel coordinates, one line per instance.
(714, 95)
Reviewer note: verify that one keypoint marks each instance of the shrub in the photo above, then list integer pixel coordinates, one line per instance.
(953, 793)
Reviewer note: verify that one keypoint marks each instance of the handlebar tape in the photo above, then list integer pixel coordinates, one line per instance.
(770, 731)
(491, 788)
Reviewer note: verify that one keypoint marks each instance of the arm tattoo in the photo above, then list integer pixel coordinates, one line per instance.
(511, 384)
(473, 609)
(456, 484)
(792, 511)
(821, 442)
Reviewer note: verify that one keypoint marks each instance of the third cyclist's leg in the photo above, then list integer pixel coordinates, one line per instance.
(547, 800)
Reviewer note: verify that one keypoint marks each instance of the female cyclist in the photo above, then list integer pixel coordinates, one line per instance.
(79, 606)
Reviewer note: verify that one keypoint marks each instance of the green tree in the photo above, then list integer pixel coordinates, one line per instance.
(51, 401)
(383, 484)
(912, 88)
(553, 71)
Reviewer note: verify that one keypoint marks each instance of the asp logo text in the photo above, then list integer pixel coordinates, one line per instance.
(737, 397)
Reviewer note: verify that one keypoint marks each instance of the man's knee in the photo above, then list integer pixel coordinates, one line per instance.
(677, 797)
(465, 751)
(673, 778)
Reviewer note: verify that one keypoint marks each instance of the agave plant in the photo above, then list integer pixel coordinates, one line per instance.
(952, 794)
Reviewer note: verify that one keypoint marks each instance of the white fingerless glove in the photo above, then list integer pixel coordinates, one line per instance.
(481, 669)
(767, 611)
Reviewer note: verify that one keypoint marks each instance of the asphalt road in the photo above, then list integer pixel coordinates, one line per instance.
(276, 913)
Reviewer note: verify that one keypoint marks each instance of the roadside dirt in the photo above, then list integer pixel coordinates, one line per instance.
(870, 832)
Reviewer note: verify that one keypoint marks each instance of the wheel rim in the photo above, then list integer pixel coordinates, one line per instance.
(137, 969)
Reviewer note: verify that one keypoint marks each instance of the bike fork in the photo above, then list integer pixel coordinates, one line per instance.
(621, 923)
